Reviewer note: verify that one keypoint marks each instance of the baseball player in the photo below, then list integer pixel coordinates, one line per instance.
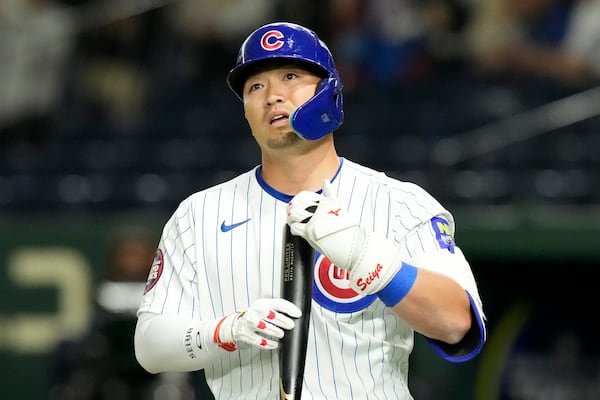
(386, 263)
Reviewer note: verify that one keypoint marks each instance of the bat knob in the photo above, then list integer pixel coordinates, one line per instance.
(282, 393)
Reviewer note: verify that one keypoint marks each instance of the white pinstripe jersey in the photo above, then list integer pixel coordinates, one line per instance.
(222, 250)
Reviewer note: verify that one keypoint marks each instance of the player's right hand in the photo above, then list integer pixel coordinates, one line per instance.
(261, 325)
(372, 260)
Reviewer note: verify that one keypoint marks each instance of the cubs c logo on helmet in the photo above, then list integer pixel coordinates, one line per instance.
(332, 291)
(271, 40)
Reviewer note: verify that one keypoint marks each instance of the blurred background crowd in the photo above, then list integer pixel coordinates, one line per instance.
(135, 91)
(112, 108)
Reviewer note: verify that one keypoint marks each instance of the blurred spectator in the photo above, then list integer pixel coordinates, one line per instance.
(446, 22)
(35, 44)
(207, 32)
(554, 40)
(115, 50)
(315, 14)
(101, 364)
(391, 42)
(550, 357)
(378, 41)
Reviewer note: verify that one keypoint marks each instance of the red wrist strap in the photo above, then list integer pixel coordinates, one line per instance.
(229, 346)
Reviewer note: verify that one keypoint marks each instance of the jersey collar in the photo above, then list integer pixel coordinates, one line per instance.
(282, 196)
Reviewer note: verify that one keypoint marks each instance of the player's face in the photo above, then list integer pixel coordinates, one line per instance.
(269, 99)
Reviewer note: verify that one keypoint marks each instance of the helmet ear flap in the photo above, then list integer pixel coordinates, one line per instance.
(321, 114)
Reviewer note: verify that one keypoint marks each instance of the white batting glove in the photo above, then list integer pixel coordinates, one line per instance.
(372, 261)
(260, 325)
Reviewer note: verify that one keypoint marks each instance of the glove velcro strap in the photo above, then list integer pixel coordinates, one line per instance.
(229, 346)
(399, 286)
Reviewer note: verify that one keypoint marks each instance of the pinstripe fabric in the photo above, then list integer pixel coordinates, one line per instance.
(352, 354)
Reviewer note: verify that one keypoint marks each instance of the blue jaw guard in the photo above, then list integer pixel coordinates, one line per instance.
(320, 115)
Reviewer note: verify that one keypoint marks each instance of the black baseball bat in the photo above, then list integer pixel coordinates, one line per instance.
(297, 287)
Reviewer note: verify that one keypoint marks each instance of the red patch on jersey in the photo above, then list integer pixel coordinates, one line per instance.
(334, 280)
(331, 288)
(156, 270)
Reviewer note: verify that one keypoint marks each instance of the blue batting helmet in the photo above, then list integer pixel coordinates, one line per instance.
(323, 113)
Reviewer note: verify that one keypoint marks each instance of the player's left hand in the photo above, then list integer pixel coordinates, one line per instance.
(320, 219)
(261, 325)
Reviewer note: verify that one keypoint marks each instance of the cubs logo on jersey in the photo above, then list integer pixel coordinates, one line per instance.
(332, 291)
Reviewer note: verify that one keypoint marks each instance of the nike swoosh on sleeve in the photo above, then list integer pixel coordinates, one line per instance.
(227, 228)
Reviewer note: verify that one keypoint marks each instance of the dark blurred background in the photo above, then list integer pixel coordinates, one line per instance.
(112, 112)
